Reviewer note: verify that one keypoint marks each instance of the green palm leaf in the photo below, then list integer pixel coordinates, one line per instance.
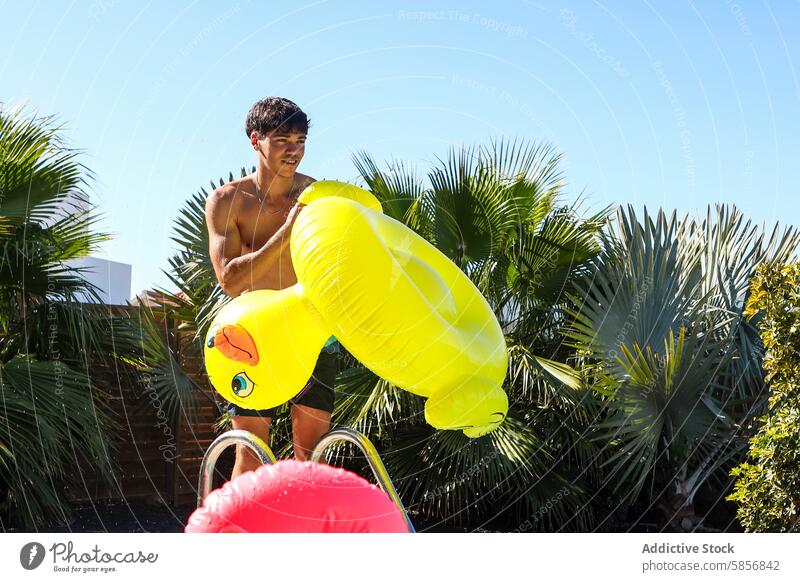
(38, 173)
(50, 422)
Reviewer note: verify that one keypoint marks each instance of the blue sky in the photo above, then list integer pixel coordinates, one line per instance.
(673, 104)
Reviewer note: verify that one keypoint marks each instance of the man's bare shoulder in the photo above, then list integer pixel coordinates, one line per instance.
(227, 196)
(304, 180)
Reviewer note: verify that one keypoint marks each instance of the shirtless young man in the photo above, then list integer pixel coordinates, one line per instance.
(249, 223)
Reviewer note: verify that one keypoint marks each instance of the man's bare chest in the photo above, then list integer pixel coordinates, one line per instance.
(258, 224)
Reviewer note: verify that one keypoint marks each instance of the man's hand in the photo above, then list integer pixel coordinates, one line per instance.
(291, 217)
(294, 212)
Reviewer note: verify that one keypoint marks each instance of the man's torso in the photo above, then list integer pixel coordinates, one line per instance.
(258, 222)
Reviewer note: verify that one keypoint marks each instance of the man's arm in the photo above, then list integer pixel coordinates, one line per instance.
(236, 273)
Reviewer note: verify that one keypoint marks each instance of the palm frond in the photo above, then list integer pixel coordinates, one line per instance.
(51, 421)
(38, 173)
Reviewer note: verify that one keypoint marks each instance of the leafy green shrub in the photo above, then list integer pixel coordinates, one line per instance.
(768, 484)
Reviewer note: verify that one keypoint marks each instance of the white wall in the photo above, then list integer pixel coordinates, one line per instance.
(112, 278)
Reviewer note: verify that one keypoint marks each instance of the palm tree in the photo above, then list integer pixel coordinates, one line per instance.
(52, 415)
(659, 329)
(496, 211)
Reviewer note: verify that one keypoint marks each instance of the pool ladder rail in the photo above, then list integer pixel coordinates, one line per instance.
(266, 456)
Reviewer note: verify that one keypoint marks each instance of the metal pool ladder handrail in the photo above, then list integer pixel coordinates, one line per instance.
(378, 469)
(222, 442)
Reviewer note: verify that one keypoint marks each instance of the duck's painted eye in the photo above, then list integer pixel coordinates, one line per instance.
(242, 385)
(212, 335)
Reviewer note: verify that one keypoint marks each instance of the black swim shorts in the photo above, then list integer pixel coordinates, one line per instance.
(317, 393)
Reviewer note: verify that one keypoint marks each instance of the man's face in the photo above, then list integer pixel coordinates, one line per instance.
(282, 151)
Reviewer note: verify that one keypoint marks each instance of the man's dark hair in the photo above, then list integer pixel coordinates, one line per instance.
(276, 114)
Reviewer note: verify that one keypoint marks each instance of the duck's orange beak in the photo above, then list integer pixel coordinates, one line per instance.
(236, 344)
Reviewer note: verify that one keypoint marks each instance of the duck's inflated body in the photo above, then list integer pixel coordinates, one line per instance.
(392, 299)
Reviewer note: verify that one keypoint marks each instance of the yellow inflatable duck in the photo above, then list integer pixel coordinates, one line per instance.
(392, 299)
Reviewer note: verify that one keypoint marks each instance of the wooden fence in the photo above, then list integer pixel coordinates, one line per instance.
(155, 458)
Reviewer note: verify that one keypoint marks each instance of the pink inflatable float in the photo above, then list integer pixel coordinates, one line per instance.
(293, 496)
